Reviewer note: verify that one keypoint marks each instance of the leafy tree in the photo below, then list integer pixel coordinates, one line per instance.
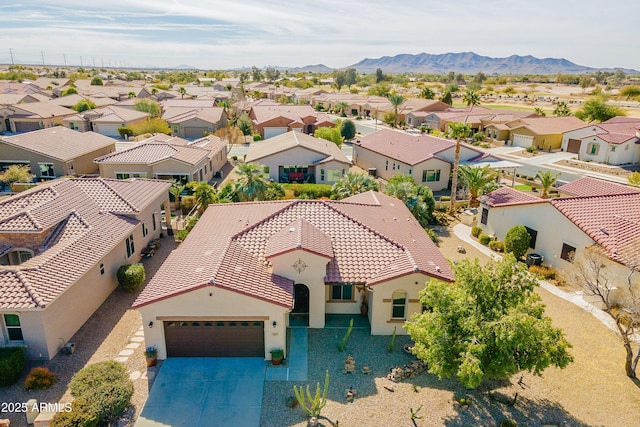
(457, 131)
(352, 184)
(250, 184)
(339, 78)
(256, 74)
(516, 241)
(97, 81)
(480, 77)
(130, 276)
(539, 111)
(489, 324)
(16, 173)
(477, 180)
(69, 91)
(342, 107)
(418, 199)
(182, 91)
(275, 191)
(597, 110)
(147, 106)
(153, 126)
(547, 179)
(427, 93)
(471, 98)
(245, 124)
(630, 92)
(231, 134)
(348, 130)
(125, 131)
(381, 89)
(634, 179)
(586, 81)
(271, 74)
(330, 134)
(379, 75)
(396, 100)
(204, 193)
(84, 105)
(447, 98)
(561, 110)
(351, 76)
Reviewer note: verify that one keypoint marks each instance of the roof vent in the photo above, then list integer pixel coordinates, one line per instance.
(292, 230)
(438, 268)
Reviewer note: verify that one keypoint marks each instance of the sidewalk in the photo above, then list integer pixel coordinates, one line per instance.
(463, 232)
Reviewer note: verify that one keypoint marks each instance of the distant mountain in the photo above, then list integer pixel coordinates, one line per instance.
(185, 67)
(471, 63)
(318, 68)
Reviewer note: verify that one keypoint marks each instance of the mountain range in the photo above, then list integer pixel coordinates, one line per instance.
(467, 63)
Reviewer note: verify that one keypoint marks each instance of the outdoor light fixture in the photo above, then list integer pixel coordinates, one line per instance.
(274, 323)
(151, 324)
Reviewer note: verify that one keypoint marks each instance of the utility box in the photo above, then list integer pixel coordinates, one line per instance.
(32, 411)
(373, 172)
(534, 259)
(69, 348)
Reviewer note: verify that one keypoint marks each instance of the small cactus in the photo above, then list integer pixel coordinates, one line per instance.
(313, 404)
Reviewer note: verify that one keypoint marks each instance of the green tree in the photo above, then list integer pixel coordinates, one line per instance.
(477, 180)
(96, 81)
(352, 184)
(245, 124)
(342, 107)
(447, 98)
(381, 89)
(396, 100)
(147, 106)
(457, 131)
(16, 173)
(348, 130)
(516, 241)
(634, 179)
(176, 190)
(339, 79)
(547, 179)
(379, 75)
(539, 111)
(471, 98)
(182, 91)
(84, 105)
(597, 110)
(480, 77)
(250, 184)
(418, 199)
(330, 134)
(153, 126)
(489, 324)
(427, 93)
(351, 76)
(69, 91)
(275, 191)
(204, 193)
(630, 92)
(256, 74)
(561, 110)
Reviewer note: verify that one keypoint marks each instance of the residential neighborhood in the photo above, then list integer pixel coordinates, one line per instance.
(213, 242)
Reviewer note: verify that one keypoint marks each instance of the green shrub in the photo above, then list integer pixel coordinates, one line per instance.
(256, 137)
(11, 365)
(484, 239)
(432, 234)
(516, 241)
(313, 191)
(182, 234)
(125, 130)
(508, 423)
(445, 198)
(543, 272)
(496, 245)
(79, 416)
(40, 378)
(532, 149)
(131, 276)
(476, 230)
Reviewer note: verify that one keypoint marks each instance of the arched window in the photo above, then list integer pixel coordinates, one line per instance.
(399, 305)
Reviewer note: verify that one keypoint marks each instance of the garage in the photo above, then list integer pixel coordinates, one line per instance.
(522, 140)
(212, 338)
(26, 126)
(573, 146)
(195, 132)
(271, 132)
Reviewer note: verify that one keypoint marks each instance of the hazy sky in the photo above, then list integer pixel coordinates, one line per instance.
(220, 34)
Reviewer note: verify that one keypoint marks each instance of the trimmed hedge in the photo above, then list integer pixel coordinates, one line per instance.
(484, 239)
(11, 365)
(312, 191)
(476, 230)
(102, 391)
(496, 245)
(40, 378)
(131, 276)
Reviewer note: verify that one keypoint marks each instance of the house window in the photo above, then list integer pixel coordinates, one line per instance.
(534, 235)
(568, 252)
(613, 149)
(399, 305)
(484, 216)
(265, 171)
(200, 175)
(593, 149)
(333, 175)
(73, 126)
(205, 169)
(101, 269)
(122, 175)
(145, 229)
(394, 166)
(46, 170)
(130, 246)
(409, 171)
(341, 292)
(153, 220)
(211, 165)
(321, 174)
(175, 128)
(386, 165)
(14, 329)
(431, 175)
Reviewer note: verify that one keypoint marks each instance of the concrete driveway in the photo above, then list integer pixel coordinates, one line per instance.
(205, 392)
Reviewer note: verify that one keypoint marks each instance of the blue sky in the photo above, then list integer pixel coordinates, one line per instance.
(219, 34)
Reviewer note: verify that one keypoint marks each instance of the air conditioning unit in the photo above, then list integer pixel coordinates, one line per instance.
(69, 348)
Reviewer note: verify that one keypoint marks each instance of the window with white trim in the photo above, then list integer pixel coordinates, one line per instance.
(145, 229)
(13, 327)
(46, 170)
(130, 246)
(341, 292)
(399, 305)
(431, 175)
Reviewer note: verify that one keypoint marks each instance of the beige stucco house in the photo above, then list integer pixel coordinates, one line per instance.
(105, 120)
(55, 151)
(296, 157)
(426, 158)
(245, 268)
(544, 133)
(61, 244)
(32, 116)
(167, 158)
(592, 213)
(274, 120)
(190, 122)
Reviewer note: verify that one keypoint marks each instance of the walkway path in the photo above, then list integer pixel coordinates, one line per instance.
(296, 367)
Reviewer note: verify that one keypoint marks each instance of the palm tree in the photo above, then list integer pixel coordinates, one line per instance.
(476, 179)
(353, 183)
(547, 179)
(182, 92)
(176, 189)
(342, 107)
(471, 98)
(205, 194)
(396, 100)
(250, 184)
(458, 131)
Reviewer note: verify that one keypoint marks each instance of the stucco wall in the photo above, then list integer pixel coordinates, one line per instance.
(213, 303)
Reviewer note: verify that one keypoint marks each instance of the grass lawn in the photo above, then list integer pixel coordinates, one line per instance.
(523, 187)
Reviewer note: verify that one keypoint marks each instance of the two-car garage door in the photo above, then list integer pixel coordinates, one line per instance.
(211, 338)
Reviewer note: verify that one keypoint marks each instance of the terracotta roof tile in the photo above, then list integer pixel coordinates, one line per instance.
(409, 149)
(587, 186)
(507, 196)
(300, 234)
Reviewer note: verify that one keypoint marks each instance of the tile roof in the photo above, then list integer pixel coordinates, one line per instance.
(507, 196)
(113, 114)
(288, 140)
(182, 114)
(617, 130)
(409, 149)
(59, 143)
(80, 222)
(369, 238)
(612, 221)
(587, 186)
(41, 110)
(547, 125)
(154, 152)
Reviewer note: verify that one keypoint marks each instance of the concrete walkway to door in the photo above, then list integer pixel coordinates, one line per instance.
(206, 392)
